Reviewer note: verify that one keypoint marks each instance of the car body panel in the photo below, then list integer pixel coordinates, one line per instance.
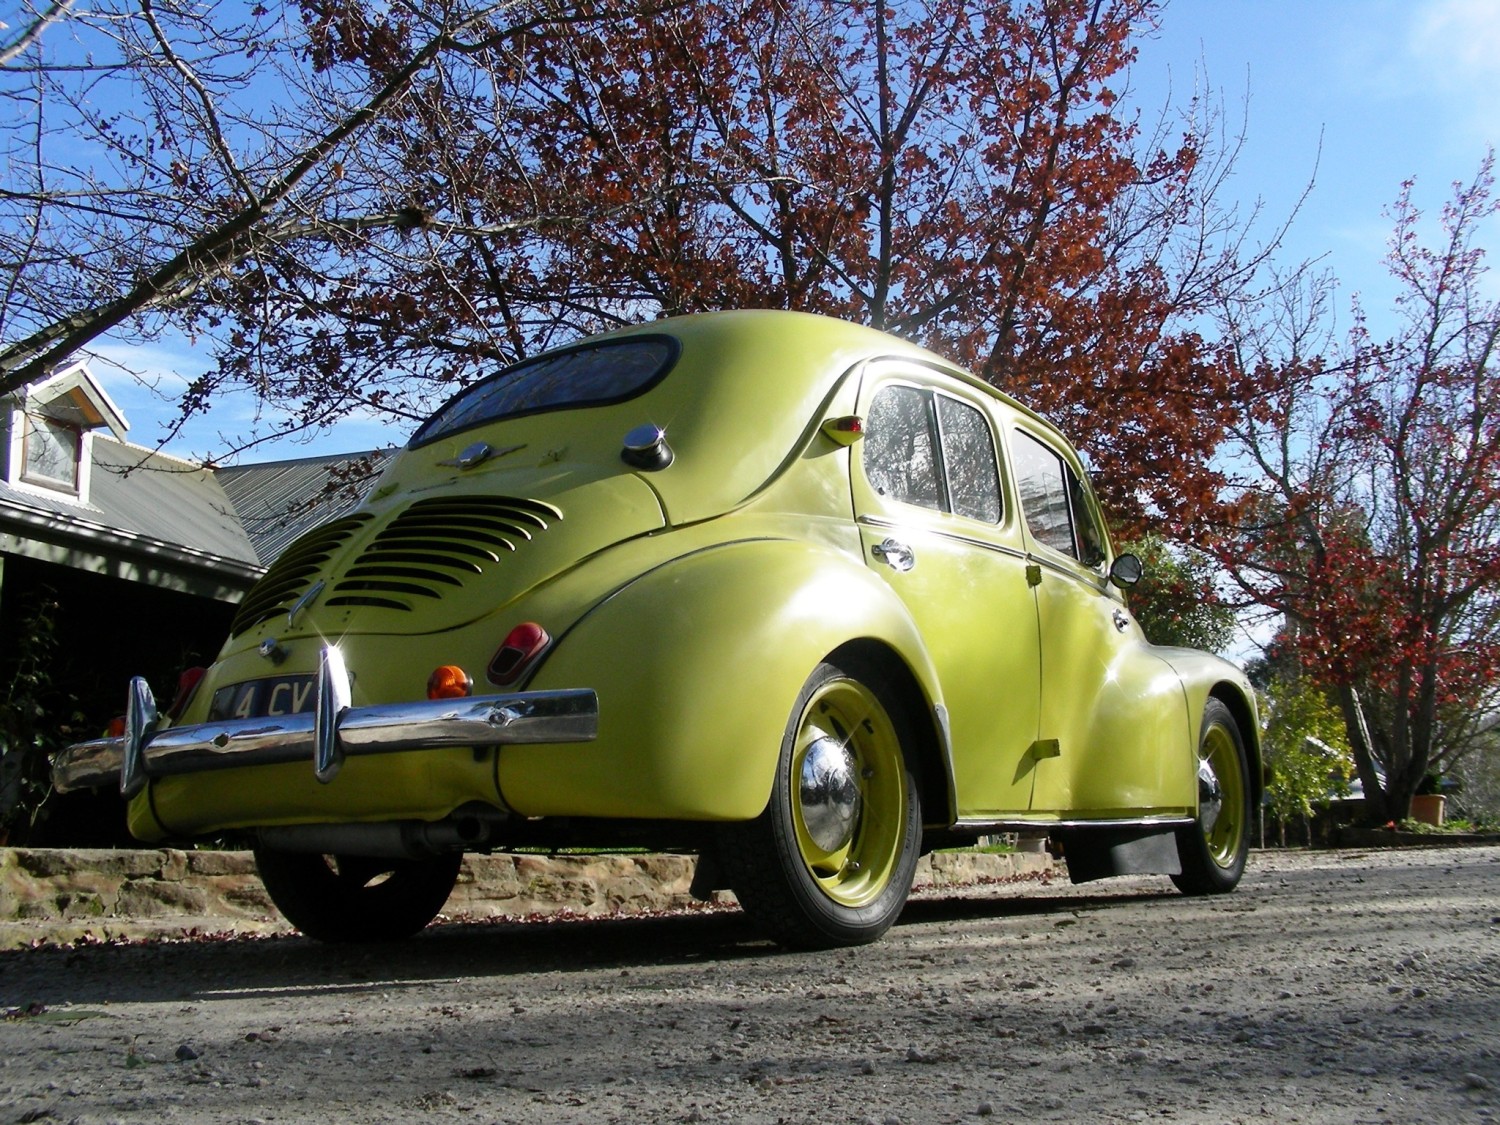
(968, 593)
(675, 742)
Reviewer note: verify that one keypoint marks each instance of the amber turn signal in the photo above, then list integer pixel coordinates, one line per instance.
(449, 681)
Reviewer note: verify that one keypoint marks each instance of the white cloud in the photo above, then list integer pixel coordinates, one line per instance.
(147, 381)
(1460, 39)
(1454, 50)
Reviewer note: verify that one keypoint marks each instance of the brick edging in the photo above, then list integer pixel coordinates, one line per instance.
(58, 894)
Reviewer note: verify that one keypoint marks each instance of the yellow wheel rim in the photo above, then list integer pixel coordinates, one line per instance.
(1221, 783)
(849, 797)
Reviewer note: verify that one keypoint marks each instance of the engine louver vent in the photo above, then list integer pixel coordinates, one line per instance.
(293, 573)
(437, 545)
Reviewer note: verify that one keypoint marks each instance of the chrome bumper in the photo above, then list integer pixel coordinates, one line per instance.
(327, 734)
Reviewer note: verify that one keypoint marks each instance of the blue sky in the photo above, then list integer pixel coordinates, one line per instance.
(1353, 95)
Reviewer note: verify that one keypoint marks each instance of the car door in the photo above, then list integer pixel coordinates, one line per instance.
(1113, 717)
(936, 525)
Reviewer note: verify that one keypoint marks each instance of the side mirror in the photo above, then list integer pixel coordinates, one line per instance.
(1126, 571)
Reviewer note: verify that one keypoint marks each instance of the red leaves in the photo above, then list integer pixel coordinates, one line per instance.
(344, 31)
(1374, 524)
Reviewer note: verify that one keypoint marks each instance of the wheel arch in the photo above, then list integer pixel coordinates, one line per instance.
(931, 763)
(1245, 718)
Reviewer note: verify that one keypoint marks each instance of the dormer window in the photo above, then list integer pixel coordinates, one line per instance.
(47, 433)
(52, 453)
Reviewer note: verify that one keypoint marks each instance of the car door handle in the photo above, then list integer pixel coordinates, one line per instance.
(895, 554)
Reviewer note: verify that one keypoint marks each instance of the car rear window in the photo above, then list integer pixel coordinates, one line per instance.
(590, 376)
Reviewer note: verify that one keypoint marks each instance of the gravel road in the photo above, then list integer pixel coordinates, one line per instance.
(1350, 986)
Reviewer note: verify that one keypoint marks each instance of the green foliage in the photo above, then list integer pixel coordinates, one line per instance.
(1305, 774)
(1460, 827)
(36, 717)
(1176, 601)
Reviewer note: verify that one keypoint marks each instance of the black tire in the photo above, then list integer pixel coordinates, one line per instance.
(357, 898)
(1213, 850)
(821, 868)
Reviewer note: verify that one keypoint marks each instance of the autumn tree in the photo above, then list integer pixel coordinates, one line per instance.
(1370, 516)
(448, 186)
(162, 158)
(953, 171)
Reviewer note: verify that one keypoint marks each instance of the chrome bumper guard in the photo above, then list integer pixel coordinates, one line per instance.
(326, 735)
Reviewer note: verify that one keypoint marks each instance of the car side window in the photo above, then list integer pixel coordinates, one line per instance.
(932, 451)
(1055, 501)
(900, 448)
(969, 459)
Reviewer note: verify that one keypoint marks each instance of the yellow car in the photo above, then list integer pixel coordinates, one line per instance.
(783, 591)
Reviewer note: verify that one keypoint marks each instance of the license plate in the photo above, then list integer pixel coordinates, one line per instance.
(260, 699)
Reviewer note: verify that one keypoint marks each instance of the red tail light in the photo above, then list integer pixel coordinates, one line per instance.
(187, 684)
(519, 651)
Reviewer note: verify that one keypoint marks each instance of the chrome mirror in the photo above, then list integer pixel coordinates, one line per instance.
(1126, 571)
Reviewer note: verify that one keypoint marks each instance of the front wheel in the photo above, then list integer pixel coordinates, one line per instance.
(1213, 850)
(830, 861)
(341, 898)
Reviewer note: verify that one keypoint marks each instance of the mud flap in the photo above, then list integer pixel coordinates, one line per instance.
(1101, 853)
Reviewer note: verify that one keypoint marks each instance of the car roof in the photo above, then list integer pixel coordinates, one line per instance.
(817, 336)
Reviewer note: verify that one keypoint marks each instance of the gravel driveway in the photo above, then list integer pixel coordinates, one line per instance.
(1350, 986)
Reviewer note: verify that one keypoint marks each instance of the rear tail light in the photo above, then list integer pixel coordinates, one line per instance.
(187, 684)
(518, 653)
(449, 681)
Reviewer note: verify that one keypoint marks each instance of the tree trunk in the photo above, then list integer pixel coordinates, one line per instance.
(1375, 805)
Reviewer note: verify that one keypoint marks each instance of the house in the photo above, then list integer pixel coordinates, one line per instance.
(138, 558)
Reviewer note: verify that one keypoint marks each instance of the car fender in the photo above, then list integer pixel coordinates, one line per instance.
(1205, 676)
(697, 664)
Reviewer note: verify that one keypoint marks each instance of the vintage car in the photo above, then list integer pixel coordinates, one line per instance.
(786, 592)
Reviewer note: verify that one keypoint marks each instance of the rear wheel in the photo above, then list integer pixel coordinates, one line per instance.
(830, 861)
(342, 898)
(1214, 849)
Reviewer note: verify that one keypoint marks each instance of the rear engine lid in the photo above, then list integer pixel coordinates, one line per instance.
(423, 561)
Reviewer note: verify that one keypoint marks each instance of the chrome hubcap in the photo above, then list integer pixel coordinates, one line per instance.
(1210, 795)
(828, 791)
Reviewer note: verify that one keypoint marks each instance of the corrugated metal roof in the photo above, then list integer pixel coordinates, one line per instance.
(44, 501)
(161, 496)
(148, 494)
(279, 500)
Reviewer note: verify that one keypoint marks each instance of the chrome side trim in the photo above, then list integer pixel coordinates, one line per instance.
(1074, 570)
(1020, 824)
(881, 523)
(570, 715)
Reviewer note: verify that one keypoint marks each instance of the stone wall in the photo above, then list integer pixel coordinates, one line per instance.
(61, 895)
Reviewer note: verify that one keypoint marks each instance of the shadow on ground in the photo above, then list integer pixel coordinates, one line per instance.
(221, 967)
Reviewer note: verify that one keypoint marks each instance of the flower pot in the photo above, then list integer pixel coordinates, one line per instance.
(1428, 808)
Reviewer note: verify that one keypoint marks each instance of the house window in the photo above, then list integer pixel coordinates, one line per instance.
(51, 454)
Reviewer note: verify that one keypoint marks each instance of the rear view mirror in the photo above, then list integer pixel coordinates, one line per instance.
(1126, 571)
